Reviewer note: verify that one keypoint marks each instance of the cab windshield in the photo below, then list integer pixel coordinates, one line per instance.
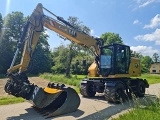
(105, 60)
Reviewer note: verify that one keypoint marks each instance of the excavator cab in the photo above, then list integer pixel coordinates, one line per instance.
(114, 59)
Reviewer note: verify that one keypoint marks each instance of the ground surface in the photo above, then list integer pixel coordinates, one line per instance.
(90, 109)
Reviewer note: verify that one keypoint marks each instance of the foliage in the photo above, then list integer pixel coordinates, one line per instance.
(2, 76)
(12, 25)
(64, 57)
(145, 63)
(10, 100)
(109, 38)
(41, 60)
(155, 57)
(136, 54)
(151, 78)
(59, 56)
(74, 80)
(150, 112)
(1, 23)
(78, 66)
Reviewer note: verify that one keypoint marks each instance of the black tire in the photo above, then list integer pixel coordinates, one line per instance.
(87, 89)
(129, 93)
(140, 91)
(116, 94)
(109, 94)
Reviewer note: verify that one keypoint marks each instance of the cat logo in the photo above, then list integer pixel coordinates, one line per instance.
(136, 65)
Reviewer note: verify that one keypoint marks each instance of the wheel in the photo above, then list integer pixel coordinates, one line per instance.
(116, 94)
(129, 93)
(87, 89)
(140, 92)
(120, 94)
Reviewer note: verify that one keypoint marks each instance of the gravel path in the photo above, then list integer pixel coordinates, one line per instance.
(94, 109)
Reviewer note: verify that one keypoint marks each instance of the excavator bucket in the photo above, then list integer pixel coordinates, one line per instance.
(54, 100)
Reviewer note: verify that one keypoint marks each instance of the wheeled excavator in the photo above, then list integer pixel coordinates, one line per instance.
(111, 73)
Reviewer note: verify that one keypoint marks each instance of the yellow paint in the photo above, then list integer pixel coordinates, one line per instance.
(52, 90)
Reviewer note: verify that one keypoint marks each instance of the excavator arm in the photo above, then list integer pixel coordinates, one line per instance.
(35, 25)
(55, 99)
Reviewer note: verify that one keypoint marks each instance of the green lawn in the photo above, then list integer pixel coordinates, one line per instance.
(151, 78)
(10, 100)
(74, 80)
(151, 112)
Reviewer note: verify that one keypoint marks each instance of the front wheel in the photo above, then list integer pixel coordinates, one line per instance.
(87, 89)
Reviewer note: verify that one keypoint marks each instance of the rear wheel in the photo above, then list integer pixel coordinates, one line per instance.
(87, 89)
(115, 94)
(140, 89)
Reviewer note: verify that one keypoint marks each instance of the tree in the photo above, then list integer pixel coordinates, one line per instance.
(1, 23)
(155, 57)
(109, 38)
(14, 22)
(41, 60)
(136, 54)
(9, 36)
(145, 64)
(60, 56)
(73, 46)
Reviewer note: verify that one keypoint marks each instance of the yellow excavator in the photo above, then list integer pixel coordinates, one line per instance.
(111, 72)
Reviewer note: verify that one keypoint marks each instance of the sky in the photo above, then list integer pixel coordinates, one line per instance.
(136, 21)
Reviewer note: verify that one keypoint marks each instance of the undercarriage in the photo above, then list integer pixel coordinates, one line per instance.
(114, 89)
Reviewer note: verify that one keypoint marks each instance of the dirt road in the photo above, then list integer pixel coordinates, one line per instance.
(94, 109)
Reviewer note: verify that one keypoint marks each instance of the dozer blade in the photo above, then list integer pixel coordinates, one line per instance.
(52, 103)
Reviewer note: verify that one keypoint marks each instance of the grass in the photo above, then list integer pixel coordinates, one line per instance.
(150, 112)
(10, 100)
(74, 80)
(151, 78)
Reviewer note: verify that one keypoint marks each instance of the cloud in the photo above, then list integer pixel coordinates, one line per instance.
(144, 50)
(155, 36)
(144, 3)
(135, 21)
(154, 22)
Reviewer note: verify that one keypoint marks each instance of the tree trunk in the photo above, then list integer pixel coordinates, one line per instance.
(69, 62)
